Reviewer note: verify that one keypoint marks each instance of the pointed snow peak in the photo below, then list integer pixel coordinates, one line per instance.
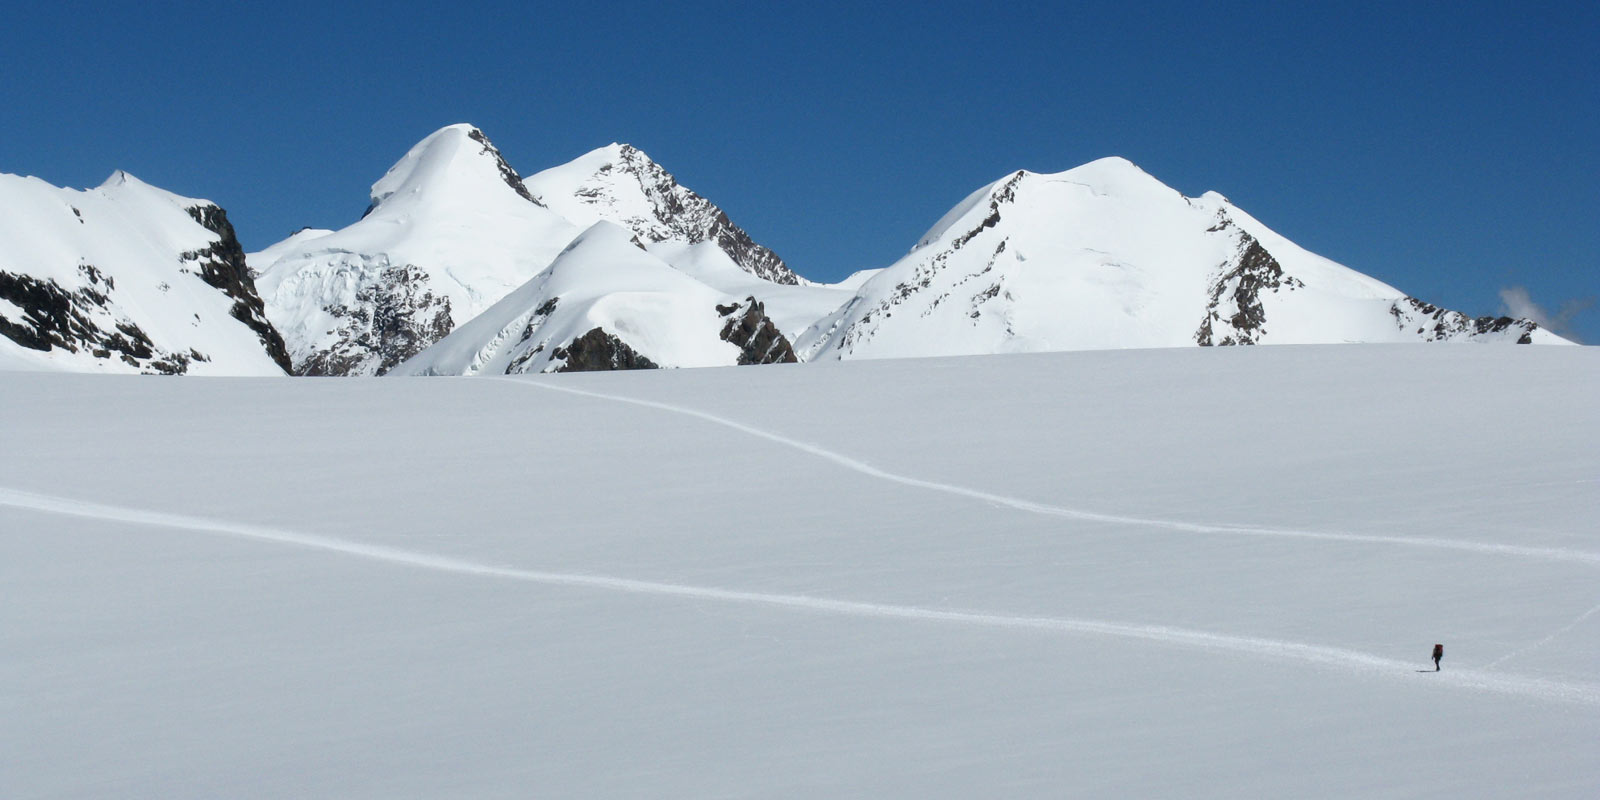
(619, 183)
(124, 185)
(452, 161)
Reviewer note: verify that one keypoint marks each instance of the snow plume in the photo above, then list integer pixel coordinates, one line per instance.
(1515, 301)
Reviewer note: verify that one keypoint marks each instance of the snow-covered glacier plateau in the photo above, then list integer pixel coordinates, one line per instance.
(1189, 572)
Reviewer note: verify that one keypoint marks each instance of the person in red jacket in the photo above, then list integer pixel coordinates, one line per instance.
(1438, 653)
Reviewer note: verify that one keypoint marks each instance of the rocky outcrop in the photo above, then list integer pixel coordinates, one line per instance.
(222, 265)
(510, 175)
(1235, 314)
(758, 339)
(391, 320)
(1433, 324)
(82, 321)
(597, 351)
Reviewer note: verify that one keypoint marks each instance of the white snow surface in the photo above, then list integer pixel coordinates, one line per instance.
(1204, 573)
(133, 235)
(445, 209)
(602, 280)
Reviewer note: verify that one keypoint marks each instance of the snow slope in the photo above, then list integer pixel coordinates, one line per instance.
(605, 292)
(451, 230)
(1106, 256)
(126, 277)
(1140, 573)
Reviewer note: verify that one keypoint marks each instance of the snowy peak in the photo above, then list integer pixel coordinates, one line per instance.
(618, 183)
(451, 230)
(1106, 256)
(452, 161)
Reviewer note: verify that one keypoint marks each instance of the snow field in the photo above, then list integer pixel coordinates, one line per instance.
(694, 583)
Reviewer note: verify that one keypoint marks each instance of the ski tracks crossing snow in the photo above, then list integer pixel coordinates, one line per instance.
(1346, 660)
(862, 467)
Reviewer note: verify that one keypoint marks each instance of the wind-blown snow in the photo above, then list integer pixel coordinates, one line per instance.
(1198, 573)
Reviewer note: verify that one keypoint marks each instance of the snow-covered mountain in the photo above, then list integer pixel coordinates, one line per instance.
(450, 231)
(606, 303)
(618, 183)
(1105, 256)
(126, 277)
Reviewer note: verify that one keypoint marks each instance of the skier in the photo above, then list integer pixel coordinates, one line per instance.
(1438, 653)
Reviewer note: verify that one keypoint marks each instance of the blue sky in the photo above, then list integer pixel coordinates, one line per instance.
(1452, 150)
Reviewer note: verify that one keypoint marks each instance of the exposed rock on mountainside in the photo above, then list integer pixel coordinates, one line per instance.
(758, 339)
(223, 265)
(391, 320)
(596, 351)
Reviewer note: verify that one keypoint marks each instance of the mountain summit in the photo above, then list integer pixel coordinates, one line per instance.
(1105, 256)
(618, 183)
(451, 229)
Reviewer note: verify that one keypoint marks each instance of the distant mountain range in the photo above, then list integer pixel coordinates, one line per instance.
(460, 267)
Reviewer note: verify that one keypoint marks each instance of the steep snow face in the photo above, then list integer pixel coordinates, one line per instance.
(126, 278)
(605, 303)
(450, 231)
(618, 183)
(1105, 256)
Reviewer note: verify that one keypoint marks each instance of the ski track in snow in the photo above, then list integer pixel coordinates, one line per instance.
(1350, 661)
(1487, 548)
(1556, 634)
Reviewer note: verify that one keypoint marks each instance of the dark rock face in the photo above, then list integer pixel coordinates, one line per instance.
(222, 265)
(510, 175)
(681, 214)
(597, 351)
(1239, 286)
(56, 318)
(1432, 323)
(390, 321)
(758, 339)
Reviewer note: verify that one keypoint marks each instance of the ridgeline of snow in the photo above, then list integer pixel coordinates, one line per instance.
(125, 278)
(1008, 575)
(1104, 256)
(604, 281)
(451, 230)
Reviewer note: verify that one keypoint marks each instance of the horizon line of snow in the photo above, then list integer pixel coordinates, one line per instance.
(1355, 661)
(1520, 551)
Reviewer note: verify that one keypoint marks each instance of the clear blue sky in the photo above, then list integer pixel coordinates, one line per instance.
(1452, 150)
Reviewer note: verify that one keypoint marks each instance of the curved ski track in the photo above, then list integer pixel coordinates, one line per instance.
(1518, 551)
(1352, 661)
